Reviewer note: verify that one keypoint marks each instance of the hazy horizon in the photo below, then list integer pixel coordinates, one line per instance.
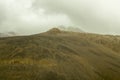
(34, 16)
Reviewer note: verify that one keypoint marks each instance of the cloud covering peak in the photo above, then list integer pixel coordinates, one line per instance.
(34, 16)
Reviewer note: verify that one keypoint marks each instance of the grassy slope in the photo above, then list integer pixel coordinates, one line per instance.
(58, 56)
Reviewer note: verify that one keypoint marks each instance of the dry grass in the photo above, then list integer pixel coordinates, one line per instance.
(58, 55)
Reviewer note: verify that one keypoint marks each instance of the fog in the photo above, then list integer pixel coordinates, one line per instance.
(35, 16)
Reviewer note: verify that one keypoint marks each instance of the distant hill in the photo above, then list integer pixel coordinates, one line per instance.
(60, 55)
(8, 34)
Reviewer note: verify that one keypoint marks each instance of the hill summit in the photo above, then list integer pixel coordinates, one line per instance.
(54, 31)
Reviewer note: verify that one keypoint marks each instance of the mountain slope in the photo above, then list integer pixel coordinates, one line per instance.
(57, 55)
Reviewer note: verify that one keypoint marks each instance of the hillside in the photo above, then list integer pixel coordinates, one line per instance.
(60, 55)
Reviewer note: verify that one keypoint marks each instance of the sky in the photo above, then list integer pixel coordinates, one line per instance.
(36, 16)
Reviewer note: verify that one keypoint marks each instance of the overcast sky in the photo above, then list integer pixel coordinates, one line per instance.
(34, 16)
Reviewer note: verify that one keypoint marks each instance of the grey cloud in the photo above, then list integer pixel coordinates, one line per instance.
(86, 14)
(20, 16)
(2, 15)
(33, 16)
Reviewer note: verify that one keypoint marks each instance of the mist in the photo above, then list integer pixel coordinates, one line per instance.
(35, 16)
